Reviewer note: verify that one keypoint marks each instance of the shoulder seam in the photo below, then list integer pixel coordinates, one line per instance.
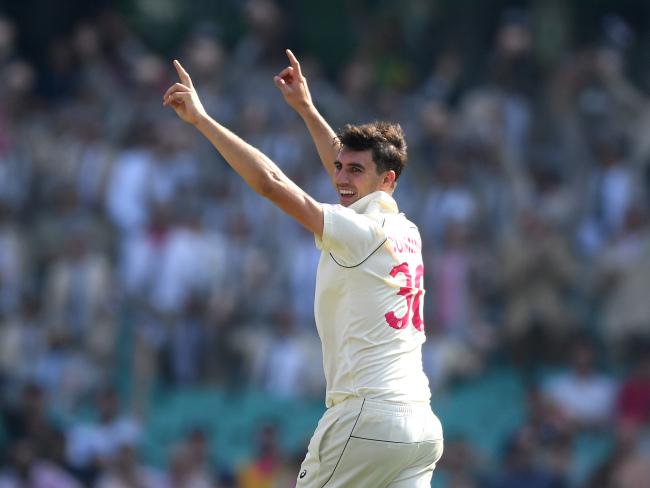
(367, 257)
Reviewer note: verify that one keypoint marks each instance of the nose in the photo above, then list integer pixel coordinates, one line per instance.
(340, 177)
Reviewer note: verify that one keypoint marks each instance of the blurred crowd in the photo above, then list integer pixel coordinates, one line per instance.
(131, 254)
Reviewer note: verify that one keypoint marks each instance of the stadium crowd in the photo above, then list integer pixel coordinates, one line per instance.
(130, 252)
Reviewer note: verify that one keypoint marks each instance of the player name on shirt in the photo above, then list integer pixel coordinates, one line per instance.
(406, 245)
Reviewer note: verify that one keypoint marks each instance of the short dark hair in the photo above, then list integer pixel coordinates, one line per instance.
(386, 140)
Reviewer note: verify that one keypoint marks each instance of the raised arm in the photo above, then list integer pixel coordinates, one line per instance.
(293, 85)
(257, 170)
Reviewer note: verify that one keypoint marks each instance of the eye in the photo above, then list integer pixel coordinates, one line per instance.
(354, 169)
(338, 166)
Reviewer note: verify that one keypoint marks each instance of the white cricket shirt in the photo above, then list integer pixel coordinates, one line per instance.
(368, 304)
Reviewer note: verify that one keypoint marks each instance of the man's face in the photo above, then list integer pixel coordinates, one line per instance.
(355, 176)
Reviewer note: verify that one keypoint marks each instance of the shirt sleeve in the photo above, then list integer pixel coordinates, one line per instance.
(348, 236)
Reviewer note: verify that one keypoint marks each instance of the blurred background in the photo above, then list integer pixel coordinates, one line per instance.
(156, 325)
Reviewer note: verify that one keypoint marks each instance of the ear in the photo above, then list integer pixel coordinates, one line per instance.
(389, 178)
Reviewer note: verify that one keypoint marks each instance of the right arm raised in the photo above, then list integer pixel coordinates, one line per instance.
(293, 85)
(257, 170)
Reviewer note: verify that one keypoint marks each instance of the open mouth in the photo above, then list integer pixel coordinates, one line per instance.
(346, 194)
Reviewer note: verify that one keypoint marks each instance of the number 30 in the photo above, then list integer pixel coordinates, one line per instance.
(412, 293)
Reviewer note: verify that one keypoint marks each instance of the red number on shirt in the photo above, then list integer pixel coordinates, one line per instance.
(405, 291)
(417, 299)
(412, 295)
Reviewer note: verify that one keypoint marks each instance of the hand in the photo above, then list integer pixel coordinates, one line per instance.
(182, 97)
(293, 85)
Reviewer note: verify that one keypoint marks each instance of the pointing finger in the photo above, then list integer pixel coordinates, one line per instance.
(294, 62)
(182, 74)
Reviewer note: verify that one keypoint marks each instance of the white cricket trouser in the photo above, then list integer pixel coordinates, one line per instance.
(362, 443)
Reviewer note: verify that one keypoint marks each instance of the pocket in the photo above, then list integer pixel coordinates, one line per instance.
(379, 425)
(419, 426)
(324, 431)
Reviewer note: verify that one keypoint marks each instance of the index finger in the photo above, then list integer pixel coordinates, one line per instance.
(182, 74)
(294, 62)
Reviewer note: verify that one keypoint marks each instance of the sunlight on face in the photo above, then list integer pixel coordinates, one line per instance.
(355, 176)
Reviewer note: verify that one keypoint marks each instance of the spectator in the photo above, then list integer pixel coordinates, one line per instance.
(283, 365)
(78, 284)
(461, 464)
(22, 339)
(514, 73)
(633, 400)
(187, 346)
(66, 372)
(127, 193)
(107, 442)
(189, 464)
(459, 272)
(582, 397)
(182, 473)
(522, 468)
(539, 273)
(459, 337)
(268, 466)
(627, 465)
(621, 279)
(449, 201)
(13, 261)
(124, 471)
(29, 420)
(27, 469)
(612, 191)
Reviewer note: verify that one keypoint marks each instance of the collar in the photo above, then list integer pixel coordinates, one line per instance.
(378, 201)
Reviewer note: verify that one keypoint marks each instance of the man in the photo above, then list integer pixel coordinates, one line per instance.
(378, 430)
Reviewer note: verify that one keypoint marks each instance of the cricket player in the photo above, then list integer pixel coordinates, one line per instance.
(378, 429)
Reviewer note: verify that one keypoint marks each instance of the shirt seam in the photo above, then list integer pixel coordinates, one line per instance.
(367, 257)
